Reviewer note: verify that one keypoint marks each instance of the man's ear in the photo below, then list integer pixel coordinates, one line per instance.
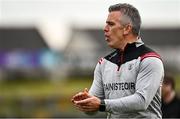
(127, 29)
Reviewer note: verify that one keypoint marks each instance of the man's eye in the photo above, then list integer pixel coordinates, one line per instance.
(111, 24)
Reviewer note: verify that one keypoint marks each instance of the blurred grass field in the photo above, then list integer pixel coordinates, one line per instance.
(43, 87)
(41, 98)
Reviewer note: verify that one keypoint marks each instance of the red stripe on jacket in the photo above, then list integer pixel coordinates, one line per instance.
(151, 54)
(100, 61)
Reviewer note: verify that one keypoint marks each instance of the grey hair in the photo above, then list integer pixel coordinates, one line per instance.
(130, 15)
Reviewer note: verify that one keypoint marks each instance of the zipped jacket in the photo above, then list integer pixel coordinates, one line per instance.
(130, 82)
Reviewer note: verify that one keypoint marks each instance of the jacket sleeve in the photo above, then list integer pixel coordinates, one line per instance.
(97, 85)
(149, 79)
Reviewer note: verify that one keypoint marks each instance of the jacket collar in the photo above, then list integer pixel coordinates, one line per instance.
(132, 46)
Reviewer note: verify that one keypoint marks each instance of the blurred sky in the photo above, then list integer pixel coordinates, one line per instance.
(53, 17)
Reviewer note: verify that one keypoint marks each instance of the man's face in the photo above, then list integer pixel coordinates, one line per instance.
(166, 89)
(114, 30)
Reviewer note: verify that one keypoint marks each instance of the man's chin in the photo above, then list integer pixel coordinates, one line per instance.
(110, 45)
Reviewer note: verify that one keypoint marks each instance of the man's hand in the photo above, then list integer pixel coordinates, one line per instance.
(90, 104)
(86, 102)
(81, 95)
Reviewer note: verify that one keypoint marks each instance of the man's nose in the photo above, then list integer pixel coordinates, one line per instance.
(106, 28)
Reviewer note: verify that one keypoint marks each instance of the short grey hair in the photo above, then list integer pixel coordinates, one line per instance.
(130, 15)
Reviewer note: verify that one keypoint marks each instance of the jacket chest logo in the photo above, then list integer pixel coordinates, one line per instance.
(130, 66)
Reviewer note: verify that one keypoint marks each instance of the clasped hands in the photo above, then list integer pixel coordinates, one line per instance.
(85, 102)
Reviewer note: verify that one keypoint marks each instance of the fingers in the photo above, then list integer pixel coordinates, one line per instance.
(78, 96)
(81, 95)
(88, 104)
(86, 90)
(82, 102)
(84, 108)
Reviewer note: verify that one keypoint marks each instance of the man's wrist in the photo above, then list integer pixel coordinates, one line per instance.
(102, 106)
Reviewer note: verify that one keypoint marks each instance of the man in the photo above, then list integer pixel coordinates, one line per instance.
(127, 82)
(171, 103)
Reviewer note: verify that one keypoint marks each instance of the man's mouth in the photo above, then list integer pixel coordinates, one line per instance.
(107, 38)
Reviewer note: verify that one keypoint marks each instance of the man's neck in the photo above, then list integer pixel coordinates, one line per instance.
(131, 38)
(128, 40)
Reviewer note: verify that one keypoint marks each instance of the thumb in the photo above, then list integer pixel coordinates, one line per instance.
(86, 90)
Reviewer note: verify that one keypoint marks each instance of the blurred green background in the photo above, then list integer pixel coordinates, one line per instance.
(49, 50)
(41, 98)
